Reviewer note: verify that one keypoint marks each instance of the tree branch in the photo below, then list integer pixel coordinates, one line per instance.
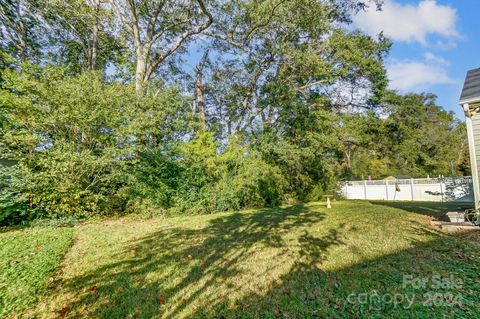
(122, 18)
(161, 57)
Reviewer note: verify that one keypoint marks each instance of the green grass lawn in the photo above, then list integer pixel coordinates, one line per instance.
(291, 262)
(28, 259)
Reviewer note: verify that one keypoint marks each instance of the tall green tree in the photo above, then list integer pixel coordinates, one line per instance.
(424, 137)
(275, 55)
(22, 27)
(412, 136)
(82, 35)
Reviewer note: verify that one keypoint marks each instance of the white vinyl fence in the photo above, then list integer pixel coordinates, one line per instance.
(459, 189)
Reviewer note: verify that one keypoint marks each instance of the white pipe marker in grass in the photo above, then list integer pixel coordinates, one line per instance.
(329, 205)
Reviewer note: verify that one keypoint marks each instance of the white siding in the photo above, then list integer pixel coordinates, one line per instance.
(476, 136)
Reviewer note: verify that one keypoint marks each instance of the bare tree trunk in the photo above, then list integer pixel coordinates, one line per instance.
(95, 30)
(22, 33)
(140, 72)
(200, 90)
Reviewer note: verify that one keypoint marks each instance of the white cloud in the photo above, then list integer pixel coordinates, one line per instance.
(409, 23)
(416, 76)
(432, 58)
(446, 45)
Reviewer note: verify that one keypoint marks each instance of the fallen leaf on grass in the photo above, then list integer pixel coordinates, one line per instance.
(63, 312)
(161, 300)
(461, 255)
(93, 289)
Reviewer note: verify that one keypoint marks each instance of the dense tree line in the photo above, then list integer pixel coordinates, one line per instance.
(167, 106)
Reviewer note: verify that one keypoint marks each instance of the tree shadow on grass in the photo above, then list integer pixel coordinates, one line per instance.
(267, 264)
(433, 209)
(384, 287)
(162, 274)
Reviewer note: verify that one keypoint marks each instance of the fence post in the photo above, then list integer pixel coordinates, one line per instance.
(386, 189)
(441, 187)
(365, 189)
(411, 187)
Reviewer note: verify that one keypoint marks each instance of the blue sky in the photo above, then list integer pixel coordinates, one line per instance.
(434, 44)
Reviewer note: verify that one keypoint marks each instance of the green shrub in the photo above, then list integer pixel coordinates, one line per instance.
(252, 183)
(151, 183)
(79, 141)
(199, 169)
(13, 199)
(233, 179)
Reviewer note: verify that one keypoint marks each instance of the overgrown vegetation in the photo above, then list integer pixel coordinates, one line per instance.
(300, 261)
(105, 107)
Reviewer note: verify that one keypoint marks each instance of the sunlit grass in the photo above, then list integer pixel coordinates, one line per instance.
(290, 262)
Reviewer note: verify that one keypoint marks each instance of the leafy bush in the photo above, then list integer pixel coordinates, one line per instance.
(78, 139)
(13, 199)
(151, 183)
(199, 169)
(251, 182)
(235, 178)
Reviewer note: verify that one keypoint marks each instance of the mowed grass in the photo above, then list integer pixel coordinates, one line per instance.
(28, 259)
(303, 261)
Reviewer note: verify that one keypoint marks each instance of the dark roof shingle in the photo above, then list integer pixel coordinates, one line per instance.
(471, 87)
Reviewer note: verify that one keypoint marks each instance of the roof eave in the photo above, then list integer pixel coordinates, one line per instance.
(469, 100)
